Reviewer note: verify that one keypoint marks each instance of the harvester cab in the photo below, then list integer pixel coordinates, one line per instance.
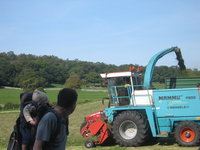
(120, 86)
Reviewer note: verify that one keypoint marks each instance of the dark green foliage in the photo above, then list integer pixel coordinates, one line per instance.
(30, 71)
(93, 77)
(7, 69)
(162, 72)
(8, 106)
(74, 81)
(28, 79)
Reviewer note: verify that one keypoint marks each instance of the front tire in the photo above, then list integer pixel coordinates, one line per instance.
(89, 144)
(130, 128)
(187, 133)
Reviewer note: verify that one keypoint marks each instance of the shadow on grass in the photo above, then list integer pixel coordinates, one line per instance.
(166, 141)
(154, 141)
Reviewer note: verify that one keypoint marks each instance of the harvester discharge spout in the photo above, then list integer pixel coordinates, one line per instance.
(180, 59)
(151, 65)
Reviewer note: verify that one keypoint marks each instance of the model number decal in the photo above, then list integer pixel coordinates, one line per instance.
(190, 97)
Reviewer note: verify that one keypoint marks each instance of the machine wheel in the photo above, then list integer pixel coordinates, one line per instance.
(187, 133)
(89, 144)
(130, 128)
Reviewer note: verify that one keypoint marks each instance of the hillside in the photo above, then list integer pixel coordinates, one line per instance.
(30, 71)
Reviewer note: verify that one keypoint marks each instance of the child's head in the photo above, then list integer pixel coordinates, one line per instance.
(25, 97)
(39, 97)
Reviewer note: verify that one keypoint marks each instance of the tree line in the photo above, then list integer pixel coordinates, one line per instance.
(30, 71)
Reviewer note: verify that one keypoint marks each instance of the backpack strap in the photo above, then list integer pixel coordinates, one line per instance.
(42, 109)
(60, 121)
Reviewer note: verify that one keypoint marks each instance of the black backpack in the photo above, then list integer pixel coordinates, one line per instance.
(14, 142)
(15, 137)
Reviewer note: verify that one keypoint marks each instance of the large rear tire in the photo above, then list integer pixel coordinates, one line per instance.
(130, 128)
(187, 133)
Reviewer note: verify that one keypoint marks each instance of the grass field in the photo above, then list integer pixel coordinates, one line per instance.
(75, 140)
(12, 96)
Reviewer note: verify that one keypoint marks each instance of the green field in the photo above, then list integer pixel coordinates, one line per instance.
(12, 96)
(75, 140)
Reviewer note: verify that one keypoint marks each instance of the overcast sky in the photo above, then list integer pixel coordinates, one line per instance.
(110, 31)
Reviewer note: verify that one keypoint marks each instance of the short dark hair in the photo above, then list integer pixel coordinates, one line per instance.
(67, 98)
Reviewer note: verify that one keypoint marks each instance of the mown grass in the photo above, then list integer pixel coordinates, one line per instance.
(7, 120)
(88, 102)
(75, 140)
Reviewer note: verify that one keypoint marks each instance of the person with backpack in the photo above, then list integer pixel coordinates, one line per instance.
(32, 107)
(15, 140)
(30, 116)
(52, 128)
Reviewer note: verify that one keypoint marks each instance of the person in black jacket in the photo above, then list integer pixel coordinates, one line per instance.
(29, 116)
